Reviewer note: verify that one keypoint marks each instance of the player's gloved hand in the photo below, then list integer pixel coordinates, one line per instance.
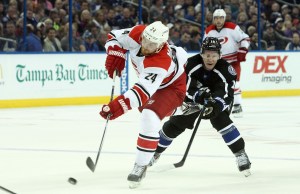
(211, 108)
(115, 60)
(187, 108)
(242, 52)
(201, 94)
(115, 108)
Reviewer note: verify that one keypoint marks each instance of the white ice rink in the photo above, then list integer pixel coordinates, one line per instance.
(40, 148)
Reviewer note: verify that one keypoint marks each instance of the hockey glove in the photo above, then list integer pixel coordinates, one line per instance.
(201, 94)
(115, 108)
(187, 108)
(115, 60)
(242, 52)
(211, 108)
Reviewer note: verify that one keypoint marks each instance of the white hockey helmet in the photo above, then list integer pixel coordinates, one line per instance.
(219, 13)
(157, 33)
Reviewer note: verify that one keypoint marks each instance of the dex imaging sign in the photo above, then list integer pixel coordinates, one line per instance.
(272, 68)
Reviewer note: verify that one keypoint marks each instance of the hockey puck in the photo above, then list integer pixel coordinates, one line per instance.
(72, 181)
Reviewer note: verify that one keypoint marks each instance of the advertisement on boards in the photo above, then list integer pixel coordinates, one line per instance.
(53, 75)
(47, 76)
(270, 71)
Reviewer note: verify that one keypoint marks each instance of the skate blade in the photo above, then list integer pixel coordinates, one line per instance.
(246, 173)
(133, 184)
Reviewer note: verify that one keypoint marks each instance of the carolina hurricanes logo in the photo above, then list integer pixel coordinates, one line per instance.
(223, 40)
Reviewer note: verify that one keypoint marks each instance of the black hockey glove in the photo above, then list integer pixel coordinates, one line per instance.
(201, 94)
(211, 108)
(187, 108)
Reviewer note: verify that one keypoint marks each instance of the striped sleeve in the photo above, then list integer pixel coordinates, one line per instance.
(140, 93)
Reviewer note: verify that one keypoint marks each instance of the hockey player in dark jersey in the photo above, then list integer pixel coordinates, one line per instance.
(210, 84)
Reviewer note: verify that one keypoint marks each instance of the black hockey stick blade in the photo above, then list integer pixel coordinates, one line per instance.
(182, 161)
(8, 191)
(178, 164)
(90, 164)
(167, 167)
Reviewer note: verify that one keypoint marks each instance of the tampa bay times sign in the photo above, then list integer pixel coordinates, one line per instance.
(32, 76)
(59, 73)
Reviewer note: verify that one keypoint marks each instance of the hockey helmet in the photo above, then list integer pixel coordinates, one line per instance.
(219, 13)
(211, 44)
(157, 33)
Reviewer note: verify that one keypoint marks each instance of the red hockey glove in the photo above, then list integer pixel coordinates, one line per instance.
(115, 108)
(241, 56)
(115, 60)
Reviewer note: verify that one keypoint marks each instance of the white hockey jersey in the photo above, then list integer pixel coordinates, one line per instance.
(156, 71)
(231, 38)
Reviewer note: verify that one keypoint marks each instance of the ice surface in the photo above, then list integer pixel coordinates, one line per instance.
(40, 148)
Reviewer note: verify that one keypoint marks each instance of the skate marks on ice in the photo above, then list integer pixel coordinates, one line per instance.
(40, 148)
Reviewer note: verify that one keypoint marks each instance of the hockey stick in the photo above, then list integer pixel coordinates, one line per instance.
(8, 191)
(89, 161)
(182, 161)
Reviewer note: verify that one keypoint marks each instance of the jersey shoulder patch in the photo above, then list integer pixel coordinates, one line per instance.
(136, 32)
(225, 68)
(231, 70)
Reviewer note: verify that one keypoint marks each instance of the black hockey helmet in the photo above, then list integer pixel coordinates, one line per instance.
(211, 44)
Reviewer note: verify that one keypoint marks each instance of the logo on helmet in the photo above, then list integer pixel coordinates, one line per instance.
(211, 43)
(153, 29)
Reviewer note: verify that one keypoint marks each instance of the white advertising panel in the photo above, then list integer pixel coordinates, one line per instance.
(83, 77)
(53, 76)
(271, 71)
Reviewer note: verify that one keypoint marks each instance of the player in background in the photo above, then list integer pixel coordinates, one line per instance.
(210, 83)
(235, 45)
(161, 85)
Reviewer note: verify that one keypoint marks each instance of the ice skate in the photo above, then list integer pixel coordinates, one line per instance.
(237, 111)
(154, 159)
(243, 163)
(136, 176)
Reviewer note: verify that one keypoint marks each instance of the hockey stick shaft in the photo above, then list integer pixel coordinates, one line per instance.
(89, 162)
(179, 164)
(182, 161)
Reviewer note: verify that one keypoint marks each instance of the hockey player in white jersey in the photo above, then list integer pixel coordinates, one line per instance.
(160, 88)
(235, 45)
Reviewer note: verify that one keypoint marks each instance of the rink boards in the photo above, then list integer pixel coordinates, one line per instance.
(28, 80)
